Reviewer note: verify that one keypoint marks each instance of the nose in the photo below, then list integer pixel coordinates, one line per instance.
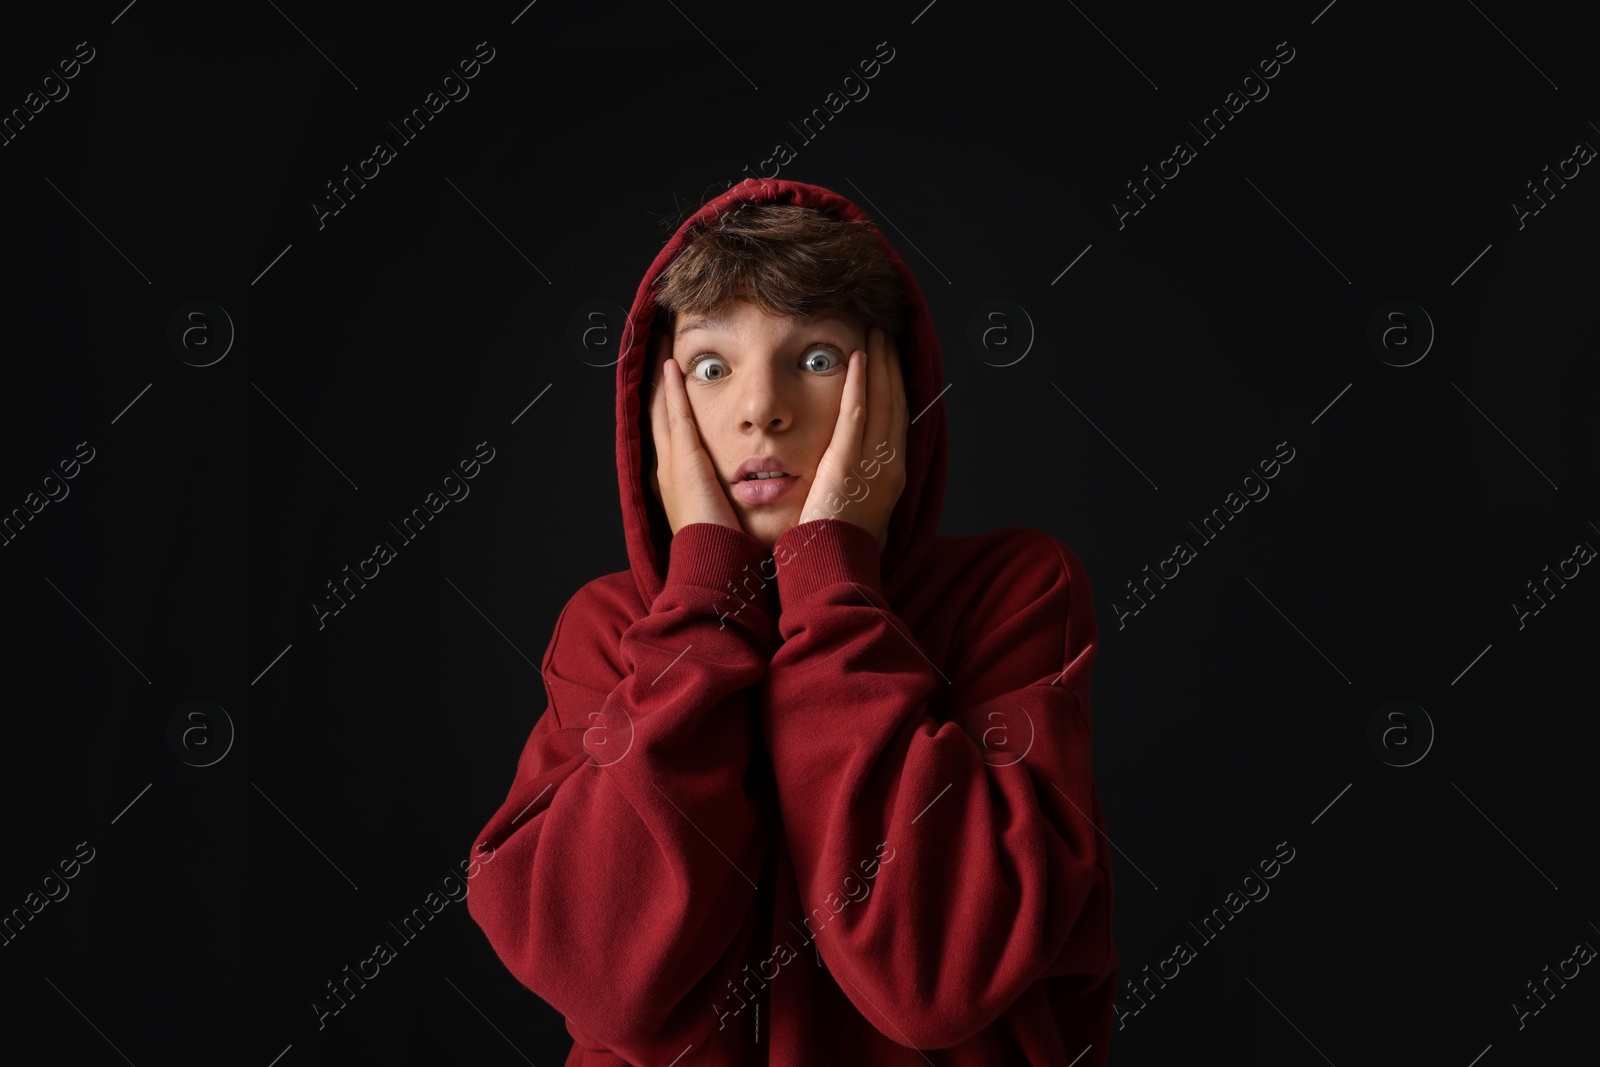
(763, 401)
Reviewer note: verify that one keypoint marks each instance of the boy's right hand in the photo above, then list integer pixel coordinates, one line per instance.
(684, 480)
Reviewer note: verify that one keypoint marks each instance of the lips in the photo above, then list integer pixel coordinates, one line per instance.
(762, 464)
(764, 490)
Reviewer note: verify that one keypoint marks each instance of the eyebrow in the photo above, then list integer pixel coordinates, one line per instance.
(706, 322)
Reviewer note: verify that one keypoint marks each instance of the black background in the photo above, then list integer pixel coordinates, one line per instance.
(377, 351)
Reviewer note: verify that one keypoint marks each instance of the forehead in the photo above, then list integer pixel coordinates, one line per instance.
(739, 315)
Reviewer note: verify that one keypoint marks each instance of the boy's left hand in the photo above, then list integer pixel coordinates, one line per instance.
(863, 472)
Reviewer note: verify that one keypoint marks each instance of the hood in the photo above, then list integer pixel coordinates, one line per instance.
(915, 522)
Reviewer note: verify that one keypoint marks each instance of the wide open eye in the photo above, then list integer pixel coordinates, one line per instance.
(833, 359)
(707, 359)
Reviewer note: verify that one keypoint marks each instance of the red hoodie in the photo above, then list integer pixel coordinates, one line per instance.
(819, 806)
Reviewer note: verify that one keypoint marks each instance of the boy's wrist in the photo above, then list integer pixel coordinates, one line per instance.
(823, 552)
(729, 562)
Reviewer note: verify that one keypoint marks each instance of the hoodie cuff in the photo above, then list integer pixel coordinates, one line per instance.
(824, 552)
(728, 561)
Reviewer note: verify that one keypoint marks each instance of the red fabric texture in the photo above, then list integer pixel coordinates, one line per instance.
(847, 816)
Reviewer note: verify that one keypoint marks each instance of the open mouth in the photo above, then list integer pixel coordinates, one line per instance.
(763, 488)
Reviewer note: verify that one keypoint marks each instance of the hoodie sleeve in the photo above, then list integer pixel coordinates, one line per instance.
(621, 866)
(964, 794)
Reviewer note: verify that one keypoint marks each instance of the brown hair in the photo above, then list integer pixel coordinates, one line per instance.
(787, 260)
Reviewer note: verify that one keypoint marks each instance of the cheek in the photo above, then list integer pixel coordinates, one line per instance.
(711, 421)
(702, 409)
(821, 419)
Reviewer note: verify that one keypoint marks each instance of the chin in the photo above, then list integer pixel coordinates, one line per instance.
(767, 528)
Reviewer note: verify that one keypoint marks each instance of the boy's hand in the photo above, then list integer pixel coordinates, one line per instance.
(684, 479)
(863, 472)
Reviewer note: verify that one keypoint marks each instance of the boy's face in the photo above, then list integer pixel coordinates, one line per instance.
(766, 386)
